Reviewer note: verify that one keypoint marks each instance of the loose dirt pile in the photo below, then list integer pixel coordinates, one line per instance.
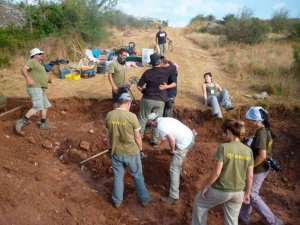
(38, 186)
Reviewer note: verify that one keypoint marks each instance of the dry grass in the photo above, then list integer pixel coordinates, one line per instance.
(204, 40)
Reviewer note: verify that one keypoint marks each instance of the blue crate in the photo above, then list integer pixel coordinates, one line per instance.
(63, 73)
(88, 72)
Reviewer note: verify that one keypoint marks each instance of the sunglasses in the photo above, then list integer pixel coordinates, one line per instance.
(40, 54)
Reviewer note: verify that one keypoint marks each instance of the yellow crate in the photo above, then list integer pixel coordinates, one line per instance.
(76, 77)
(68, 76)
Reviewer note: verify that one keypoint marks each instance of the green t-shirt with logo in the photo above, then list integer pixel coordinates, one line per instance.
(118, 73)
(37, 73)
(262, 140)
(121, 125)
(236, 158)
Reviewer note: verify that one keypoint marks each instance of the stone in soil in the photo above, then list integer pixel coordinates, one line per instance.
(84, 145)
(47, 144)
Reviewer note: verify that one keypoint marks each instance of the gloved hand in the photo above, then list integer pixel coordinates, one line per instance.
(142, 154)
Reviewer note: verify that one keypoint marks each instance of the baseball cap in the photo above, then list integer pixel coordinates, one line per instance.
(254, 114)
(35, 51)
(125, 97)
(151, 117)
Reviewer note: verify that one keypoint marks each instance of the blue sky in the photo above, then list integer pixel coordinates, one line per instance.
(180, 12)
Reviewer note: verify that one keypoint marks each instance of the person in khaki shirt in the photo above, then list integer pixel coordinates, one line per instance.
(231, 175)
(125, 144)
(117, 76)
(37, 84)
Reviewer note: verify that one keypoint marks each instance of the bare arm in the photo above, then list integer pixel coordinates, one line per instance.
(249, 181)
(172, 142)
(139, 88)
(262, 156)
(204, 94)
(213, 177)
(138, 139)
(113, 84)
(24, 72)
(165, 86)
(218, 87)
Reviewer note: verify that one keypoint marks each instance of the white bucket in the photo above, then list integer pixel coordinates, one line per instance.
(146, 55)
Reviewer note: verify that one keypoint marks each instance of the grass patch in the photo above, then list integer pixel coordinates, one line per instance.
(4, 61)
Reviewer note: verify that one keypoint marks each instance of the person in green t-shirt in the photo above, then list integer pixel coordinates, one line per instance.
(125, 144)
(117, 76)
(37, 83)
(262, 150)
(232, 173)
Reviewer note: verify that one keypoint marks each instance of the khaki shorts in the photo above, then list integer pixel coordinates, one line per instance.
(39, 98)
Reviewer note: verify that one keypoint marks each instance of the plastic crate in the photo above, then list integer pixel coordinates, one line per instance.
(63, 72)
(76, 77)
(68, 76)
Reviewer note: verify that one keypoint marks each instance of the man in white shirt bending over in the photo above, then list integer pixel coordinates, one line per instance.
(181, 140)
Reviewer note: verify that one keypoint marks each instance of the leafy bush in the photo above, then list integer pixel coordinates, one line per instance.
(4, 61)
(280, 21)
(295, 30)
(296, 54)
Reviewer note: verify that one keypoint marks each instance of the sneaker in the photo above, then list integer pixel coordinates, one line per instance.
(169, 200)
(117, 205)
(229, 108)
(217, 116)
(45, 126)
(146, 203)
(155, 144)
(20, 124)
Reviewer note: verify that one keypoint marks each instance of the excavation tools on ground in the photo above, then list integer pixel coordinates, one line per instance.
(92, 157)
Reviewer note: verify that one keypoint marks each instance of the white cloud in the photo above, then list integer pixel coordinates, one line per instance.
(278, 5)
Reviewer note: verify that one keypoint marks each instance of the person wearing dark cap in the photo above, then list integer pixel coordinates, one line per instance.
(181, 140)
(154, 98)
(125, 144)
(37, 83)
(161, 40)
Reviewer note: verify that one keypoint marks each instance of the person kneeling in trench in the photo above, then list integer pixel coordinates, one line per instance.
(181, 140)
(125, 144)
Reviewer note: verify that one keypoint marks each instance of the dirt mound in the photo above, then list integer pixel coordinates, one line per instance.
(39, 187)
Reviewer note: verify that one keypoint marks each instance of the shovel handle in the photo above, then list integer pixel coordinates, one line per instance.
(94, 156)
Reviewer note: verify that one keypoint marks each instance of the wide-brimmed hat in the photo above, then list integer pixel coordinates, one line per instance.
(154, 58)
(35, 51)
(125, 97)
(254, 114)
(151, 117)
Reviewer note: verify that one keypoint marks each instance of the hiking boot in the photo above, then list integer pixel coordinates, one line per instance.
(45, 126)
(155, 144)
(169, 200)
(146, 203)
(20, 124)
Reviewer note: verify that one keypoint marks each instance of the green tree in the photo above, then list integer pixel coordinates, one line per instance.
(280, 20)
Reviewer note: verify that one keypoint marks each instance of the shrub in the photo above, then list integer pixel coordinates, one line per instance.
(296, 54)
(280, 21)
(4, 61)
(295, 30)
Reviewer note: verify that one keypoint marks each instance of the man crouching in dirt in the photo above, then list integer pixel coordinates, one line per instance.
(181, 140)
(37, 83)
(125, 144)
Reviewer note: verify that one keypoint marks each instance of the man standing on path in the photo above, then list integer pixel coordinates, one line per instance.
(161, 40)
(154, 97)
(125, 144)
(37, 83)
(181, 140)
(117, 76)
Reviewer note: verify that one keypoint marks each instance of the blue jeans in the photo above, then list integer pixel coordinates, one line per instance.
(133, 162)
(223, 98)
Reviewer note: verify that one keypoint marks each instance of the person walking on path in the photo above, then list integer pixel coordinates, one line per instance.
(154, 96)
(117, 76)
(125, 144)
(161, 40)
(232, 173)
(210, 92)
(181, 140)
(37, 83)
(262, 150)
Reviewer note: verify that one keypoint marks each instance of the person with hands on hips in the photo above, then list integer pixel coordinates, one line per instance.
(231, 175)
(125, 143)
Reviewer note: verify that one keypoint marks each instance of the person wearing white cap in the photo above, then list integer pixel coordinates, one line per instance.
(181, 140)
(262, 150)
(37, 83)
(125, 144)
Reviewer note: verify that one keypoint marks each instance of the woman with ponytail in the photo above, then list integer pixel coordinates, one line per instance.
(231, 175)
(262, 150)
